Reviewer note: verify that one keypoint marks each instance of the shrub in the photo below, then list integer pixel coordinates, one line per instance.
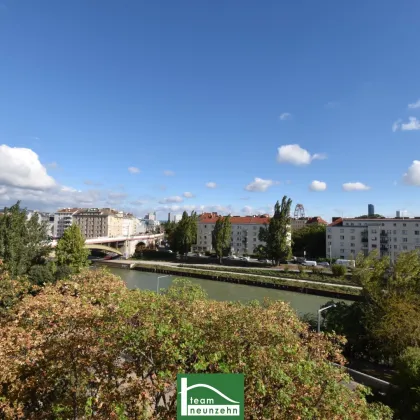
(40, 274)
(407, 379)
(316, 270)
(339, 270)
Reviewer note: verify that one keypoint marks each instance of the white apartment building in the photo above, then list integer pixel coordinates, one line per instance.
(348, 237)
(47, 218)
(62, 220)
(244, 238)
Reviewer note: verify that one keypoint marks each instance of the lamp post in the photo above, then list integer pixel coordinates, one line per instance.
(319, 315)
(157, 286)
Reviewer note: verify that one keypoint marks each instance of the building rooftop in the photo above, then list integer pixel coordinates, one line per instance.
(339, 221)
(68, 210)
(235, 220)
(316, 219)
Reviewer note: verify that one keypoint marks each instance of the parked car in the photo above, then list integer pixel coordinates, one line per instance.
(309, 263)
(232, 257)
(324, 264)
(264, 260)
(197, 254)
(244, 258)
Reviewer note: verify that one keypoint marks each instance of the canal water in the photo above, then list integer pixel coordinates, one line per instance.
(302, 303)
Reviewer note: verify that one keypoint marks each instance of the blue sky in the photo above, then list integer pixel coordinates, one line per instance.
(210, 91)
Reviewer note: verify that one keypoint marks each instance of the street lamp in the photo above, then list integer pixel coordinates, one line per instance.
(319, 314)
(157, 286)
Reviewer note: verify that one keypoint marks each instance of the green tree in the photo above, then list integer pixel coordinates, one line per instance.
(312, 239)
(90, 348)
(71, 251)
(185, 234)
(277, 234)
(170, 228)
(388, 317)
(23, 243)
(221, 236)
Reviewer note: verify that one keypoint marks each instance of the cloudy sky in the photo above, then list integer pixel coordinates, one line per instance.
(223, 106)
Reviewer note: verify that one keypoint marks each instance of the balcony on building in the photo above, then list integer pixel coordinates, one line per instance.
(364, 236)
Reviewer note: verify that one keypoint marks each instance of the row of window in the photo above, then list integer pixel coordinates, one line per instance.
(238, 227)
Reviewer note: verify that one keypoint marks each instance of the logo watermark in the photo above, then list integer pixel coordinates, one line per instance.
(210, 395)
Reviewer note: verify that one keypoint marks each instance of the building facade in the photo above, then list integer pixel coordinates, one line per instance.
(301, 222)
(346, 238)
(44, 217)
(244, 236)
(98, 223)
(62, 220)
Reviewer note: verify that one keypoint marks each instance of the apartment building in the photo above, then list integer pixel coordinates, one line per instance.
(62, 220)
(347, 237)
(244, 237)
(43, 217)
(301, 222)
(97, 223)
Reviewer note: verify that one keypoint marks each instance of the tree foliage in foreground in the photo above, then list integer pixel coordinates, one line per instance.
(23, 243)
(70, 251)
(90, 348)
(277, 234)
(385, 326)
(221, 236)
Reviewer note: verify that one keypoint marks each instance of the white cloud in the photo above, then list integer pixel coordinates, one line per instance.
(20, 167)
(188, 194)
(355, 186)
(52, 198)
(211, 185)
(133, 170)
(173, 199)
(412, 176)
(413, 124)
(168, 173)
(285, 116)
(69, 189)
(294, 154)
(318, 186)
(414, 105)
(260, 185)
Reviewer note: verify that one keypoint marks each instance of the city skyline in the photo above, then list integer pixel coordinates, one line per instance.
(210, 108)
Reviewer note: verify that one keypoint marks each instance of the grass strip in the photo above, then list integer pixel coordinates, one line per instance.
(303, 287)
(321, 277)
